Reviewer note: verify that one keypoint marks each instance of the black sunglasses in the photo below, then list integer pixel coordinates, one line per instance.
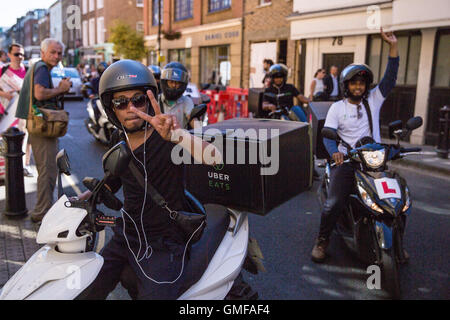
(18, 54)
(138, 100)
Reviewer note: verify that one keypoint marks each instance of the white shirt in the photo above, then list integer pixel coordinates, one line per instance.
(343, 116)
(182, 109)
(319, 86)
(335, 86)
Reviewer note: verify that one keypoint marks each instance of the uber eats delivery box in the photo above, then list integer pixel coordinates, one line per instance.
(266, 162)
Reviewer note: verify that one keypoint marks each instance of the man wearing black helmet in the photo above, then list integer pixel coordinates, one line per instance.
(279, 73)
(354, 117)
(174, 81)
(147, 249)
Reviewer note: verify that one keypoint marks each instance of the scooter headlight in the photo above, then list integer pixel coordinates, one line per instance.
(407, 200)
(374, 159)
(368, 200)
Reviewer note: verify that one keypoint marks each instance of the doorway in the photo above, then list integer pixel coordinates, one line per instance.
(340, 60)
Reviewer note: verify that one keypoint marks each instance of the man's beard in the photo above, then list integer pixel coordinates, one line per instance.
(135, 128)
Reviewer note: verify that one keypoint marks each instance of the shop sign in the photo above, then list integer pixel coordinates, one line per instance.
(222, 35)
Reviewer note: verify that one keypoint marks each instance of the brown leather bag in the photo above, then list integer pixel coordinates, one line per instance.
(46, 122)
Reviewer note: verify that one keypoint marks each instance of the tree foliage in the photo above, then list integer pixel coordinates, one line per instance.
(128, 43)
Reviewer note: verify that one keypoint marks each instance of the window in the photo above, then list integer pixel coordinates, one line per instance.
(183, 9)
(100, 30)
(409, 52)
(139, 3)
(264, 2)
(85, 33)
(156, 16)
(91, 5)
(441, 76)
(216, 5)
(85, 6)
(91, 32)
(99, 4)
(181, 55)
(140, 26)
(215, 65)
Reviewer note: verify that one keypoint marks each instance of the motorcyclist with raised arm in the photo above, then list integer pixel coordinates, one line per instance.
(354, 117)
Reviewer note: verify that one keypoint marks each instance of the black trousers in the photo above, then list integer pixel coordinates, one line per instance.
(164, 265)
(342, 184)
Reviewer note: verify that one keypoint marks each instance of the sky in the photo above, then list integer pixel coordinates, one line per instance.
(13, 9)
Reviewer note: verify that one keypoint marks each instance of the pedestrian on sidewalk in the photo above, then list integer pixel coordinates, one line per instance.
(11, 80)
(43, 94)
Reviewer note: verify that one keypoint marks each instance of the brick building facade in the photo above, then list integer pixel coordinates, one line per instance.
(98, 17)
(210, 41)
(266, 35)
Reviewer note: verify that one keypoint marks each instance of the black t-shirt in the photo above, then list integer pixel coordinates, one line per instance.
(166, 178)
(286, 100)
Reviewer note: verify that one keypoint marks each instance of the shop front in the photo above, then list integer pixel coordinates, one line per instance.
(211, 52)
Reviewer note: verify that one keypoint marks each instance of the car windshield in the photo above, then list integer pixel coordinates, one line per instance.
(61, 73)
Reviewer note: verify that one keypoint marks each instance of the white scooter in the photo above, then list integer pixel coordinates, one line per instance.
(68, 262)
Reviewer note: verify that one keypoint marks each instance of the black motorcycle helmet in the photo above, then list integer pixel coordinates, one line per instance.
(352, 71)
(174, 71)
(121, 76)
(278, 71)
(101, 67)
(156, 71)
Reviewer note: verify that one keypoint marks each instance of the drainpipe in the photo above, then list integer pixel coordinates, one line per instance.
(242, 44)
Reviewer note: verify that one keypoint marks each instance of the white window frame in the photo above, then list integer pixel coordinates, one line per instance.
(85, 33)
(100, 30)
(91, 5)
(100, 4)
(140, 3)
(140, 26)
(85, 6)
(91, 32)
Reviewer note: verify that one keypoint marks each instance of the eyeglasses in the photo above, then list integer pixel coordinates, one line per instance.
(18, 54)
(138, 101)
(359, 110)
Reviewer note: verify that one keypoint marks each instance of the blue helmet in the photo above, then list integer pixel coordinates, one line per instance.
(156, 71)
(174, 71)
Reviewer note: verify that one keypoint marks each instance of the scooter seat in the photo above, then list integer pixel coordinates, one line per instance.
(203, 251)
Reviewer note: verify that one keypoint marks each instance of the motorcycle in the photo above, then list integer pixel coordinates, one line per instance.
(282, 112)
(73, 232)
(373, 222)
(97, 124)
(198, 113)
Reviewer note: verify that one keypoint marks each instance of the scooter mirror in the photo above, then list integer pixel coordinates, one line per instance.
(394, 126)
(329, 134)
(116, 160)
(205, 98)
(198, 111)
(414, 123)
(62, 161)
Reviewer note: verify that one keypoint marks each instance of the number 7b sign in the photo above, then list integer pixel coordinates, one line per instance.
(388, 188)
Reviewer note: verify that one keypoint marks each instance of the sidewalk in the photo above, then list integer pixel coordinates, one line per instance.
(18, 235)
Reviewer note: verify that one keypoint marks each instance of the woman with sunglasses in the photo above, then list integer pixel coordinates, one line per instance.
(15, 72)
(354, 117)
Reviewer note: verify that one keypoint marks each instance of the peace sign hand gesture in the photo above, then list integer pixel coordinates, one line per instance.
(165, 124)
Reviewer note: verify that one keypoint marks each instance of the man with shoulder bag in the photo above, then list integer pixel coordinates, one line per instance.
(46, 120)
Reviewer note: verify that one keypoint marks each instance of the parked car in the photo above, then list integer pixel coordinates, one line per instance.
(72, 73)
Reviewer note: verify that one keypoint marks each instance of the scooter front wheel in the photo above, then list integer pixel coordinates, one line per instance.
(390, 276)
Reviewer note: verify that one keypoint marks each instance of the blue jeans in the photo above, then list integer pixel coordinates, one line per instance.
(299, 113)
